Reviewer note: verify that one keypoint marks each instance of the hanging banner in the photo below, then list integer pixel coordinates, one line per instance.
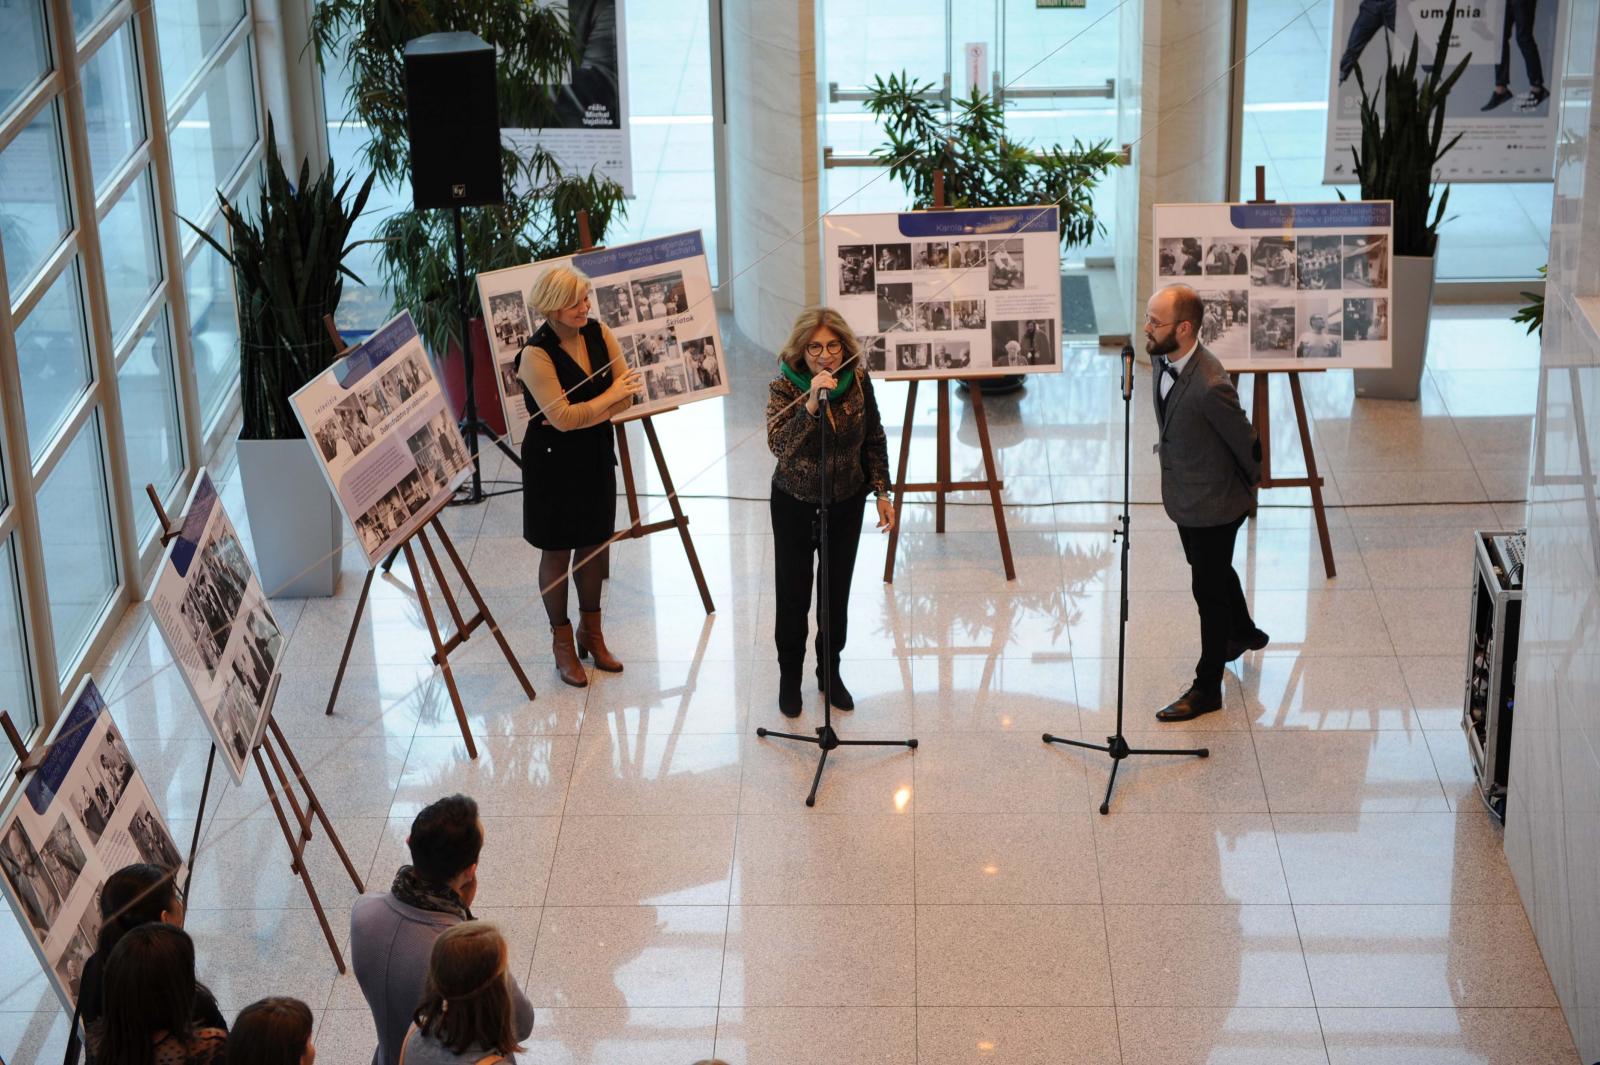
(81, 816)
(387, 441)
(590, 133)
(1286, 286)
(218, 625)
(966, 293)
(1501, 107)
(656, 298)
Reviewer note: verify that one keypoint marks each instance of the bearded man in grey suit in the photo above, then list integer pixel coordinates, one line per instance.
(1210, 465)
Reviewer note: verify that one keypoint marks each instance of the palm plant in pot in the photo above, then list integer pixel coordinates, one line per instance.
(288, 268)
(1402, 142)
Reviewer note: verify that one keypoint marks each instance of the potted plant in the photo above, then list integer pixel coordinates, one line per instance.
(536, 50)
(288, 268)
(981, 167)
(1402, 141)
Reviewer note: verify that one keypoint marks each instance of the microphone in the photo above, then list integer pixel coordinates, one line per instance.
(1127, 371)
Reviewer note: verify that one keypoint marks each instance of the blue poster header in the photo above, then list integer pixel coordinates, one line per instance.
(1354, 215)
(70, 736)
(988, 221)
(194, 524)
(656, 252)
(394, 335)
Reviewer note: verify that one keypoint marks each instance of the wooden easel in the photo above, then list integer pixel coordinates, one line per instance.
(942, 485)
(275, 744)
(464, 626)
(637, 529)
(1261, 415)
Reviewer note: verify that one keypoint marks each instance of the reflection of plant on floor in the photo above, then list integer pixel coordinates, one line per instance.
(1532, 312)
(537, 49)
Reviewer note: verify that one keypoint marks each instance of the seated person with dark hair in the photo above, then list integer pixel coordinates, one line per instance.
(392, 934)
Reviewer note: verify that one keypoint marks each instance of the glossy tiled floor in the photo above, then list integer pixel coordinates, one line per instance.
(1325, 888)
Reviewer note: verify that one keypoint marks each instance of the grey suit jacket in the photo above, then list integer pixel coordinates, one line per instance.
(1210, 461)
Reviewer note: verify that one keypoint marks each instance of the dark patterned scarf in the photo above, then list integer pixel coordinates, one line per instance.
(412, 890)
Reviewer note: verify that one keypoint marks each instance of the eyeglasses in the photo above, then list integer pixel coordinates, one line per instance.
(815, 348)
(1150, 320)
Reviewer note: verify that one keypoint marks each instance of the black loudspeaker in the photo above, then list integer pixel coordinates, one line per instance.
(453, 120)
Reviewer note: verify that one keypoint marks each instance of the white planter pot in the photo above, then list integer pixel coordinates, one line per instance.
(1412, 306)
(294, 523)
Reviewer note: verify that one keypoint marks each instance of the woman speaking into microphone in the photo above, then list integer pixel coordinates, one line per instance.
(820, 357)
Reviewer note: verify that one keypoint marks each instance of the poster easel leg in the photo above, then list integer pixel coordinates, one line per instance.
(199, 819)
(298, 864)
(678, 517)
(349, 642)
(942, 456)
(975, 397)
(637, 529)
(440, 655)
(900, 480)
(1313, 479)
(484, 616)
(314, 804)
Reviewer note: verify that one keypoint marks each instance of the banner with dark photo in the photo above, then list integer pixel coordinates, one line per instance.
(83, 814)
(216, 620)
(1501, 108)
(590, 130)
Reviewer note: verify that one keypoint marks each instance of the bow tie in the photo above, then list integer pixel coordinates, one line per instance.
(1168, 369)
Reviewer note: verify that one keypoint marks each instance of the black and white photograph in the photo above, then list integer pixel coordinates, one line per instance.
(63, 858)
(382, 520)
(1272, 329)
(509, 384)
(219, 574)
(893, 257)
(701, 362)
(235, 719)
(894, 307)
(252, 669)
(1227, 256)
(1366, 261)
(1178, 257)
(933, 316)
(1006, 265)
(1225, 325)
(429, 457)
(1271, 262)
(327, 437)
(1366, 319)
(874, 352)
(350, 414)
(951, 354)
(970, 314)
(508, 320)
(1320, 324)
(404, 380)
(1318, 264)
(1028, 342)
(654, 298)
(150, 837)
(856, 276)
(665, 382)
(657, 346)
(614, 305)
(912, 357)
(29, 883)
(967, 254)
(93, 806)
(69, 967)
(930, 255)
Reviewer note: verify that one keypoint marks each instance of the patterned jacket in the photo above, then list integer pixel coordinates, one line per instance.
(858, 452)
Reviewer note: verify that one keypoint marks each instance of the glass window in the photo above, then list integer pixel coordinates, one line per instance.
(213, 324)
(128, 247)
(150, 426)
(214, 136)
(53, 358)
(79, 564)
(16, 681)
(24, 53)
(85, 13)
(187, 31)
(113, 111)
(33, 199)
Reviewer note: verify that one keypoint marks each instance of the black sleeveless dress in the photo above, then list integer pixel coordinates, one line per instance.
(569, 479)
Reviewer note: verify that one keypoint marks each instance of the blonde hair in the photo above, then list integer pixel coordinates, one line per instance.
(805, 326)
(556, 289)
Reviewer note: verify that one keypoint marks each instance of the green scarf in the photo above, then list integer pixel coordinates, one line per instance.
(803, 381)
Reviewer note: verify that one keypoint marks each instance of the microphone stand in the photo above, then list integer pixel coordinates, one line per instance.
(1117, 745)
(826, 738)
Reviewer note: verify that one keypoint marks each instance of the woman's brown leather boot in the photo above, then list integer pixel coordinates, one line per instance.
(591, 641)
(567, 664)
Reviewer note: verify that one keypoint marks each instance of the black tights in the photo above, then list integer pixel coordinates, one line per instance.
(553, 567)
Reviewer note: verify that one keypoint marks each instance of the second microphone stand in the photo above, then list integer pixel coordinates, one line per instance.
(826, 738)
(1117, 745)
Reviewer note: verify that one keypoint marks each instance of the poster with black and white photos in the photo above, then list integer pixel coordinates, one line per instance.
(1286, 286)
(965, 293)
(389, 446)
(654, 296)
(81, 816)
(214, 615)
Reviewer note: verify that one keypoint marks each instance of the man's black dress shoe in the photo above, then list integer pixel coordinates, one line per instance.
(1191, 704)
(1254, 641)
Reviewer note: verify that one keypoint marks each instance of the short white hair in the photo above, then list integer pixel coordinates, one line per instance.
(556, 289)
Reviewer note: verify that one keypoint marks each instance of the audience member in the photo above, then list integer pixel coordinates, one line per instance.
(150, 995)
(274, 1031)
(472, 1012)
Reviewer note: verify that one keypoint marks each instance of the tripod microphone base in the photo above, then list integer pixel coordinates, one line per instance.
(827, 740)
(1117, 747)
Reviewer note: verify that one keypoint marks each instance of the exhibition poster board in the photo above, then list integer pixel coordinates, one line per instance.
(383, 432)
(1510, 42)
(1287, 286)
(214, 616)
(81, 816)
(590, 131)
(964, 293)
(656, 298)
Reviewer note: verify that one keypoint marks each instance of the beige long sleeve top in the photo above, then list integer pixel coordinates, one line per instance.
(538, 373)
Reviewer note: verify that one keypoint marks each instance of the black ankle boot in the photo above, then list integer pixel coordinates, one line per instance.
(790, 702)
(839, 695)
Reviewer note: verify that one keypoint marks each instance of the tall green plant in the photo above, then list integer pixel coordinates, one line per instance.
(982, 168)
(535, 49)
(1402, 142)
(288, 267)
